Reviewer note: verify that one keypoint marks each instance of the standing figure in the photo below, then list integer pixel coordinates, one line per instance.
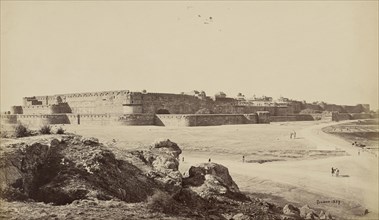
(294, 134)
(332, 171)
(337, 172)
(209, 160)
(291, 135)
(243, 159)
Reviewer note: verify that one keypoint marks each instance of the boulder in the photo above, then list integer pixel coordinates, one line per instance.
(305, 210)
(291, 210)
(161, 163)
(325, 215)
(311, 216)
(166, 146)
(212, 180)
(240, 216)
(90, 141)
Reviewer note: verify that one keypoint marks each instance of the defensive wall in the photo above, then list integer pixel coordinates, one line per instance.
(261, 117)
(123, 107)
(83, 119)
(206, 119)
(137, 119)
(292, 118)
(336, 116)
(127, 102)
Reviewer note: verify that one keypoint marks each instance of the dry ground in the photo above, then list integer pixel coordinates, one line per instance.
(300, 171)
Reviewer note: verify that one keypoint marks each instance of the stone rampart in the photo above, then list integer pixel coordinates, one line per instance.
(325, 116)
(137, 119)
(336, 116)
(205, 120)
(292, 118)
(282, 118)
(39, 120)
(8, 119)
(361, 116)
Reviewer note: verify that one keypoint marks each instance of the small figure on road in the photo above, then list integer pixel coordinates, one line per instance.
(243, 159)
(182, 159)
(209, 160)
(366, 212)
(294, 134)
(332, 171)
(337, 172)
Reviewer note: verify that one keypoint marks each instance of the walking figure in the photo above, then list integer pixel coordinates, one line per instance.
(337, 172)
(333, 171)
(294, 134)
(243, 159)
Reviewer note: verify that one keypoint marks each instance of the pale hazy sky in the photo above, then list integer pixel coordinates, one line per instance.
(303, 50)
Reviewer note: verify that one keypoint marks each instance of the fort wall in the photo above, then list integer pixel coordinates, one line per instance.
(123, 107)
(8, 119)
(336, 116)
(346, 116)
(205, 120)
(361, 116)
(292, 118)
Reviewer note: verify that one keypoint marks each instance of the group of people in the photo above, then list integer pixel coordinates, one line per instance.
(335, 171)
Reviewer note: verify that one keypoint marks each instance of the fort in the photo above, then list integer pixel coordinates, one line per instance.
(125, 107)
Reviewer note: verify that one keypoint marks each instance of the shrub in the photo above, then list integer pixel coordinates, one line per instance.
(60, 130)
(161, 202)
(46, 129)
(21, 131)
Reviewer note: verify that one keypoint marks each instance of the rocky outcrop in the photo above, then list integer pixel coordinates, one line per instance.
(63, 170)
(291, 211)
(212, 181)
(307, 213)
(162, 163)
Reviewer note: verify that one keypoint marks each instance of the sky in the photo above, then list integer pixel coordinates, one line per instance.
(313, 51)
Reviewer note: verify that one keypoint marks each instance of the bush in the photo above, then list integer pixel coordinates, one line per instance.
(161, 202)
(21, 131)
(60, 130)
(46, 129)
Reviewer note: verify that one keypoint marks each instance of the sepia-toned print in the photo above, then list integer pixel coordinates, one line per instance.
(189, 110)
